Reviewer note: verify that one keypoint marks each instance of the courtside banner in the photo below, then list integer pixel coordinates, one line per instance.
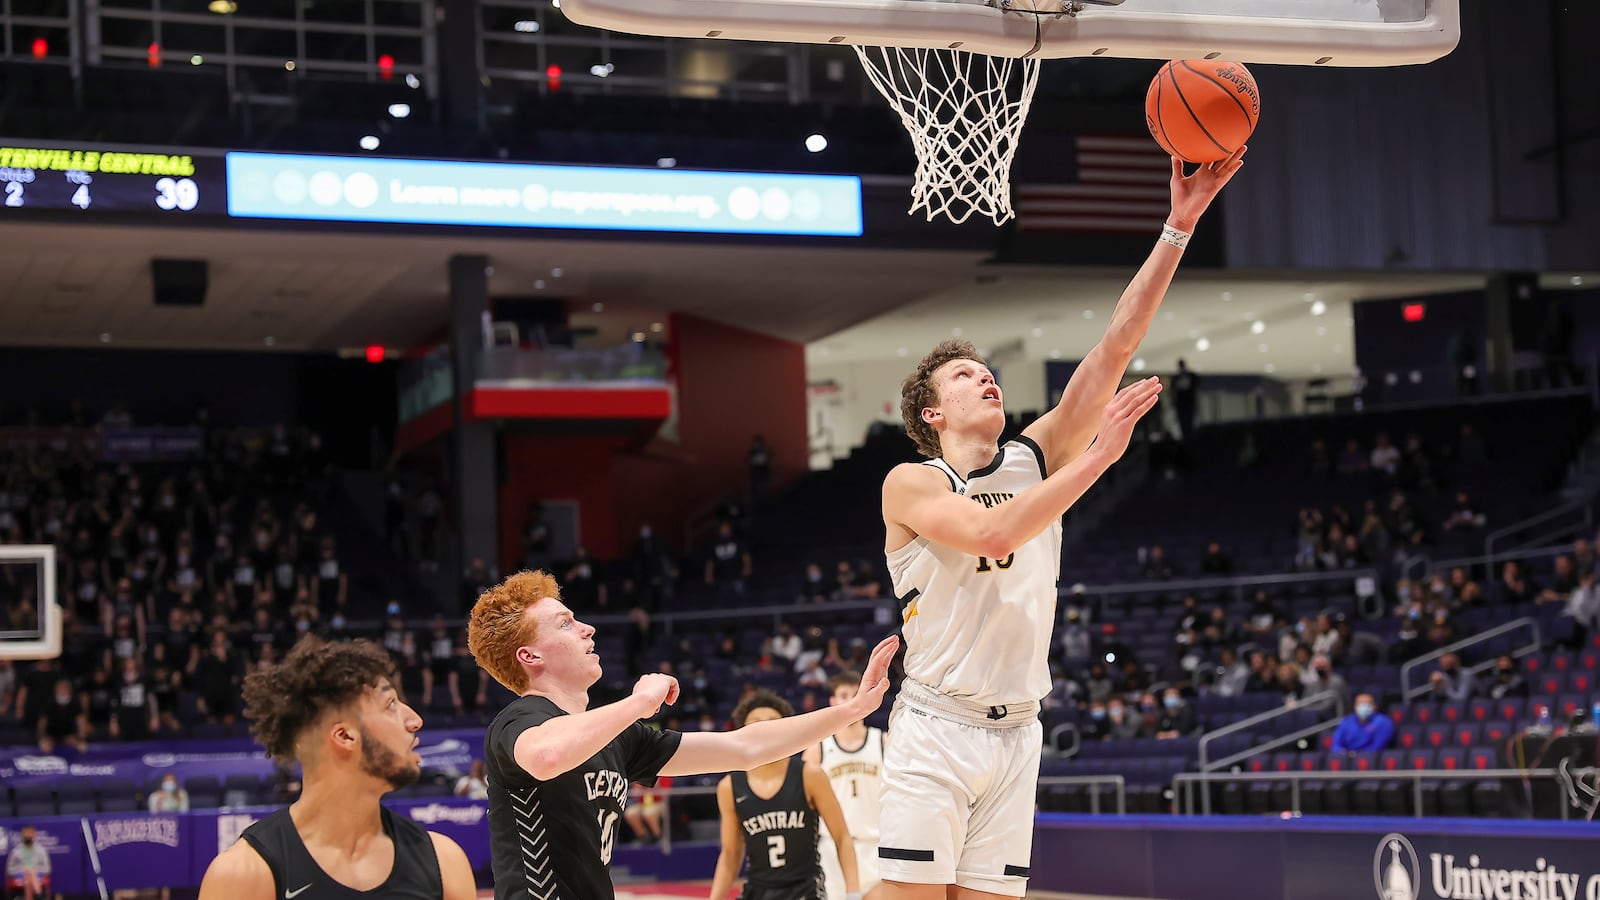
(1324, 858)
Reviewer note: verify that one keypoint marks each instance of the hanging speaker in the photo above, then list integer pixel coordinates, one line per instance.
(179, 282)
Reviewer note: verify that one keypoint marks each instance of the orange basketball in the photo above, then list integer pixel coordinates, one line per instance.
(1201, 110)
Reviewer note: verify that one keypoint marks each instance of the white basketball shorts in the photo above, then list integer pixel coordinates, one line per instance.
(959, 793)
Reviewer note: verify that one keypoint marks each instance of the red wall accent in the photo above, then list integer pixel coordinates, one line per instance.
(732, 384)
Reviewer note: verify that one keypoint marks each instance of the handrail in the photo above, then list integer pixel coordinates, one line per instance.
(1077, 739)
(1235, 583)
(1258, 718)
(1433, 567)
(1116, 781)
(1183, 783)
(1275, 743)
(1407, 693)
(1549, 514)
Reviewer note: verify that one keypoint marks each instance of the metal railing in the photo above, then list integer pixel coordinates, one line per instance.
(1183, 784)
(1497, 539)
(1116, 781)
(1310, 731)
(1054, 743)
(1409, 693)
(1238, 584)
(1430, 567)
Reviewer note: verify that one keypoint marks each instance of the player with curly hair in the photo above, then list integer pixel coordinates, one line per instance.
(559, 772)
(333, 708)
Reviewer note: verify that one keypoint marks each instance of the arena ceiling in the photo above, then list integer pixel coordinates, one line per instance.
(73, 285)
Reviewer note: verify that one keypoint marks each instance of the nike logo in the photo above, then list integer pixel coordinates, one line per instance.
(741, 797)
(290, 895)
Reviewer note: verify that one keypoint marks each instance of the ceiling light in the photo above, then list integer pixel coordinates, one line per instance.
(1577, 281)
(369, 142)
(1055, 354)
(638, 337)
(400, 110)
(556, 3)
(1257, 327)
(657, 328)
(1318, 308)
(556, 272)
(538, 284)
(526, 26)
(1269, 368)
(413, 81)
(196, 60)
(1202, 345)
(105, 337)
(601, 70)
(598, 307)
(1138, 364)
(223, 7)
(1227, 296)
(269, 340)
(1038, 332)
(816, 143)
(1415, 376)
(288, 65)
(666, 162)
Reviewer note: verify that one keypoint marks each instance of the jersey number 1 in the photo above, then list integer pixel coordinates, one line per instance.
(983, 563)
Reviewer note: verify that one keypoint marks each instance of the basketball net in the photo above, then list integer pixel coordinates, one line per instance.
(964, 112)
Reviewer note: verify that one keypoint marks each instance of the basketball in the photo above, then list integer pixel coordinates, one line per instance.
(1201, 110)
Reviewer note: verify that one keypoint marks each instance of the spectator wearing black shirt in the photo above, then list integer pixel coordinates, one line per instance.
(1216, 562)
(1507, 681)
(729, 565)
(1176, 719)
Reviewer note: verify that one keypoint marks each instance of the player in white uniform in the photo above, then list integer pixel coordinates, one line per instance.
(856, 774)
(973, 541)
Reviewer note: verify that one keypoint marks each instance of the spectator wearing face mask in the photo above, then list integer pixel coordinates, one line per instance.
(1452, 681)
(1322, 679)
(1363, 731)
(1508, 682)
(1177, 719)
(1123, 724)
(1098, 728)
(28, 866)
(170, 798)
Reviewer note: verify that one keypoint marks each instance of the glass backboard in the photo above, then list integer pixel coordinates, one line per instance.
(1290, 32)
(30, 620)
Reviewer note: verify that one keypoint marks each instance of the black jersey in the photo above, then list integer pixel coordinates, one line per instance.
(552, 840)
(298, 877)
(780, 834)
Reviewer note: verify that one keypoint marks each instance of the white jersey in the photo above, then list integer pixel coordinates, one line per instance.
(857, 777)
(978, 629)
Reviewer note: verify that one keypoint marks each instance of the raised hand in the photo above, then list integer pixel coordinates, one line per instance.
(1191, 194)
(875, 681)
(655, 690)
(1127, 407)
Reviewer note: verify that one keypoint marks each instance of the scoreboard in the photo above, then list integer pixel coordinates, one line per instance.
(150, 185)
(89, 181)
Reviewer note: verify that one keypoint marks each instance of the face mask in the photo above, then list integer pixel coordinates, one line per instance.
(1115, 713)
(394, 609)
(1147, 707)
(63, 699)
(1172, 702)
(27, 842)
(302, 626)
(338, 622)
(1405, 593)
(1097, 714)
(169, 787)
(1506, 673)
(1364, 711)
(1414, 614)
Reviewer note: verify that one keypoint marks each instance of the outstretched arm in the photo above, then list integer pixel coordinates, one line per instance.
(565, 742)
(763, 742)
(1066, 431)
(917, 499)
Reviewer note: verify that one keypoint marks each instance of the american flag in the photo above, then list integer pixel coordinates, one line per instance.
(1117, 184)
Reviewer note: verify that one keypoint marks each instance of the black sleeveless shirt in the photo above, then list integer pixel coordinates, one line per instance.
(780, 834)
(297, 876)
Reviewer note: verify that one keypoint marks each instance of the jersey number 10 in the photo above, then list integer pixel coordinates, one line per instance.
(983, 563)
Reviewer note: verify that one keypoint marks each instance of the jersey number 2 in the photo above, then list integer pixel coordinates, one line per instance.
(776, 845)
(608, 834)
(983, 563)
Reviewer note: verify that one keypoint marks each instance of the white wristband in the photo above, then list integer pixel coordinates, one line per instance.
(1173, 236)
